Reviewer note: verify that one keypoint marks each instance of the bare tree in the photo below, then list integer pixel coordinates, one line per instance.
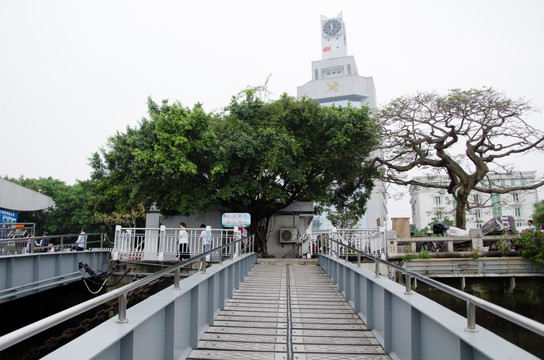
(430, 132)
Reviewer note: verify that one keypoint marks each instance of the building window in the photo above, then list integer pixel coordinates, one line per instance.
(478, 213)
(476, 198)
(517, 212)
(515, 196)
(437, 200)
(496, 205)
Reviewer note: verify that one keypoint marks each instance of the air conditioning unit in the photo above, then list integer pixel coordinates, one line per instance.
(288, 235)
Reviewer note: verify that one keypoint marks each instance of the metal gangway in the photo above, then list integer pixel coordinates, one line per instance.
(27, 268)
(294, 312)
(288, 310)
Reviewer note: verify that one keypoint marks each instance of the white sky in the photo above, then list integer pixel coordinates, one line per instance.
(73, 73)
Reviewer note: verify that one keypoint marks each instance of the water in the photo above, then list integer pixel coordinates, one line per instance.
(527, 299)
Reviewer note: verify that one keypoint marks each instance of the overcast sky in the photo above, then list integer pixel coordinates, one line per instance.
(73, 73)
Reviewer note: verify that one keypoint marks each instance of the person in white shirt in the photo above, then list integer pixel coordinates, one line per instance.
(531, 226)
(81, 241)
(183, 241)
(202, 239)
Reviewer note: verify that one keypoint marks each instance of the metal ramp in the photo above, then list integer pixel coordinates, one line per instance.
(288, 311)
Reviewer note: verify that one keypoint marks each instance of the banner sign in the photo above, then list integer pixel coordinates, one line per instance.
(8, 216)
(236, 219)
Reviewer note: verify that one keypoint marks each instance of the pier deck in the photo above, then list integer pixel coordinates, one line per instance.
(288, 311)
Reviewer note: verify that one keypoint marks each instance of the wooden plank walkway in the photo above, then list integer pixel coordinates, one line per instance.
(288, 311)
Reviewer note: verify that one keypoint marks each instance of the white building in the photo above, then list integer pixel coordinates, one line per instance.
(430, 204)
(336, 80)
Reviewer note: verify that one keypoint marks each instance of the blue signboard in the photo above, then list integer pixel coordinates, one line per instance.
(236, 219)
(8, 216)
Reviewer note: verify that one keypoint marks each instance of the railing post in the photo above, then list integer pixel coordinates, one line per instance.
(176, 279)
(203, 262)
(408, 281)
(336, 249)
(347, 253)
(122, 309)
(322, 245)
(377, 267)
(358, 259)
(471, 317)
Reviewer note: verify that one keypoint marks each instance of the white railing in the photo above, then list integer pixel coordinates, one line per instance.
(59, 243)
(161, 244)
(369, 241)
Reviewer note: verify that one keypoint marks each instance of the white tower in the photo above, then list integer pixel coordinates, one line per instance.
(336, 80)
(333, 39)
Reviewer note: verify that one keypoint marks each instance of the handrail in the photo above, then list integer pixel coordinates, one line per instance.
(26, 245)
(471, 300)
(23, 333)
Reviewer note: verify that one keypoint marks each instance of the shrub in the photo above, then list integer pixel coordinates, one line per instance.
(423, 254)
(531, 245)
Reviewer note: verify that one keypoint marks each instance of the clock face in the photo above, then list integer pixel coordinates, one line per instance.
(332, 27)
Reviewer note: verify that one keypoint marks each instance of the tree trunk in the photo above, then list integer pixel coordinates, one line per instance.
(260, 230)
(460, 213)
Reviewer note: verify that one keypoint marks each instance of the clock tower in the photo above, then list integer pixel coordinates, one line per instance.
(336, 80)
(333, 37)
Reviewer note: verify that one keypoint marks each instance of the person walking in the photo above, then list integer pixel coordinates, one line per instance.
(202, 239)
(183, 242)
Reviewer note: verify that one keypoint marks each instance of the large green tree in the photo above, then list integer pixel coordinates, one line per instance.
(268, 155)
(257, 156)
(463, 135)
(164, 161)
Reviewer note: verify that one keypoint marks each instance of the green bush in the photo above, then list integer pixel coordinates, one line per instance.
(504, 246)
(423, 254)
(531, 245)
